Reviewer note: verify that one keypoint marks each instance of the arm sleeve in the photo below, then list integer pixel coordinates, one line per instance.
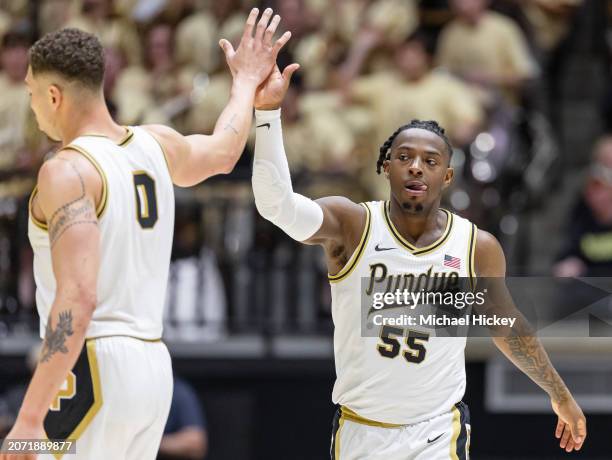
(296, 215)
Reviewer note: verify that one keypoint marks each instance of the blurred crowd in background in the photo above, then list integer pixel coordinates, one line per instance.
(493, 73)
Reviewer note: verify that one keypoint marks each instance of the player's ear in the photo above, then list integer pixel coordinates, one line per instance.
(386, 165)
(55, 96)
(448, 177)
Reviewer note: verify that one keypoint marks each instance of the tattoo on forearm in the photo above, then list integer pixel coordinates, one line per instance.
(55, 339)
(230, 126)
(77, 211)
(531, 358)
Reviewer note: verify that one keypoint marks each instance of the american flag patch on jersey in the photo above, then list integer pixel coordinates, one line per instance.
(450, 261)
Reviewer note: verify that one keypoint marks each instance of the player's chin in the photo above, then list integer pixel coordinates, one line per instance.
(52, 137)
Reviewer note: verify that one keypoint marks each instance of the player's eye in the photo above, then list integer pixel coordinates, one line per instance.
(403, 157)
(432, 162)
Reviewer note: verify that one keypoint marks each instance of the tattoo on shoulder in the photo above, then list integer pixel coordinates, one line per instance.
(55, 339)
(78, 211)
(229, 125)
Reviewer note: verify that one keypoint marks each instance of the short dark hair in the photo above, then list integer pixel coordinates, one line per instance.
(429, 125)
(73, 54)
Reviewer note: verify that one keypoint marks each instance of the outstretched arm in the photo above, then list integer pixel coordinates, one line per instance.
(335, 223)
(67, 186)
(522, 346)
(194, 158)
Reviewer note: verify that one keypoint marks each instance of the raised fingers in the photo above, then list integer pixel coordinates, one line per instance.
(281, 42)
(271, 29)
(263, 24)
(250, 24)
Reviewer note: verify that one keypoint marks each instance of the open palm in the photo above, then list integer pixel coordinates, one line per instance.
(271, 92)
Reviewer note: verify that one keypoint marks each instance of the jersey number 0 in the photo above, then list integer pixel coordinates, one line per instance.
(146, 200)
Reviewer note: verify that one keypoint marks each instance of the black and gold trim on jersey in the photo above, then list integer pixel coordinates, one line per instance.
(39, 223)
(104, 199)
(470, 255)
(72, 414)
(125, 140)
(411, 247)
(354, 260)
(162, 149)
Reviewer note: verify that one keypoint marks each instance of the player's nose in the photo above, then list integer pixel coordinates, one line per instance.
(415, 170)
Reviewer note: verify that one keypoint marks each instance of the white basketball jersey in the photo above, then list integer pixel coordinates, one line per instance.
(402, 381)
(136, 221)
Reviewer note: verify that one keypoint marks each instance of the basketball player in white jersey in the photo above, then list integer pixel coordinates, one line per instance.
(101, 225)
(399, 394)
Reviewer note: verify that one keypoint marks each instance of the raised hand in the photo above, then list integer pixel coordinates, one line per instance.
(571, 426)
(255, 57)
(270, 93)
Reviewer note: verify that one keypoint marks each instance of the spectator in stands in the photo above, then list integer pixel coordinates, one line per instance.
(211, 89)
(414, 90)
(372, 37)
(322, 141)
(98, 17)
(487, 50)
(587, 249)
(54, 14)
(158, 91)
(185, 436)
(408, 89)
(19, 141)
(196, 41)
(114, 63)
(5, 22)
(552, 22)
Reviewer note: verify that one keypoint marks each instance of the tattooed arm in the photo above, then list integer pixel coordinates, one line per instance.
(192, 159)
(68, 188)
(522, 346)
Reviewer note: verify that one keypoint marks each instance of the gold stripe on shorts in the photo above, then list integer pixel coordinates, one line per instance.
(351, 416)
(456, 431)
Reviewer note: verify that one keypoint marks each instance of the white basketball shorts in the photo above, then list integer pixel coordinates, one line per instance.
(115, 402)
(444, 437)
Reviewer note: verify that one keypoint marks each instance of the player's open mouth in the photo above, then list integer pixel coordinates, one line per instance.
(415, 187)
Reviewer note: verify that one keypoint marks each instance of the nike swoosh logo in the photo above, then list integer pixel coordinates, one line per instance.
(378, 248)
(267, 125)
(429, 441)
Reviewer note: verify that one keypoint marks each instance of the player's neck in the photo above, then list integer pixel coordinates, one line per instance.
(415, 226)
(91, 118)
